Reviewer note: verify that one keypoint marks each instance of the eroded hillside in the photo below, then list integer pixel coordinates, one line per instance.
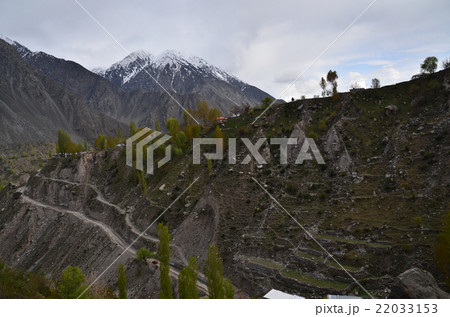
(376, 206)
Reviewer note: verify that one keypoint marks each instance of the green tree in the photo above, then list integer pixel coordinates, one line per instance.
(63, 141)
(202, 112)
(173, 126)
(141, 176)
(196, 130)
(133, 128)
(158, 125)
(266, 102)
(143, 254)
(85, 146)
(218, 133)
(122, 282)
(111, 142)
(120, 134)
(72, 283)
(209, 165)
(73, 148)
(188, 132)
(228, 289)
(187, 280)
(213, 114)
(218, 287)
(442, 250)
(181, 140)
(100, 141)
(429, 65)
(332, 77)
(164, 259)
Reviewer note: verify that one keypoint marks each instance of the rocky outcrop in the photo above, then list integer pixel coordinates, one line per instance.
(416, 283)
(390, 110)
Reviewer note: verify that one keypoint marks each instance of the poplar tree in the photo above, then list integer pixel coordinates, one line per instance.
(164, 259)
(122, 282)
(187, 280)
(218, 287)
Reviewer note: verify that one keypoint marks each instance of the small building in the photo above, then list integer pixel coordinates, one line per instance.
(221, 120)
(276, 294)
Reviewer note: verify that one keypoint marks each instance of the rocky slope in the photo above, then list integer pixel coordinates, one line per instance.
(33, 106)
(376, 206)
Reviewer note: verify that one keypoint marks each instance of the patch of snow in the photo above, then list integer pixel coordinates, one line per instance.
(99, 71)
(143, 57)
(132, 73)
(176, 62)
(7, 39)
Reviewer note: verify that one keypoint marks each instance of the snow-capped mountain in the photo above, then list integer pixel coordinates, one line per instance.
(136, 87)
(173, 71)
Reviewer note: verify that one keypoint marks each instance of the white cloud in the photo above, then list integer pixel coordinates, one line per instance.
(266, 43)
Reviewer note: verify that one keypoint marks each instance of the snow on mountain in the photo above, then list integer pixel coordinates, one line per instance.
(139, 61)
(99, 71)
(22, 50)
(182, 74)
(6, 39)
(130, 65)
(176, 60)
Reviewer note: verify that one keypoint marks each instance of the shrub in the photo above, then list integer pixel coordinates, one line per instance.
(291, 189)
(323, 124)
(143, 254)
(313, 135)
(417, 221)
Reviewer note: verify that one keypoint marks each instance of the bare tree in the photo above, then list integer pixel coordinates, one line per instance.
(323, 85)
(446, 63)
(375, 83)
(355, 85)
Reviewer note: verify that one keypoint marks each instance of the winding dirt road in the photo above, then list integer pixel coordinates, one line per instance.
(112, 235)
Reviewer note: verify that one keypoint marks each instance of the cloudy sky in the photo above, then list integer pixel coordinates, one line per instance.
(265, 43)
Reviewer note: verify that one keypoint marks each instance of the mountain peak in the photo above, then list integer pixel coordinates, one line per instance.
(181, 73)
(176, 58)
(140, 56)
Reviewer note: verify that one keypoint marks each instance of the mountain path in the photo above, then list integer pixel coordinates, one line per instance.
(112, 235)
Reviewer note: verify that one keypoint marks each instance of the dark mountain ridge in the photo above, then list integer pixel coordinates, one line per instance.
(33, 106)
(127, 92)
